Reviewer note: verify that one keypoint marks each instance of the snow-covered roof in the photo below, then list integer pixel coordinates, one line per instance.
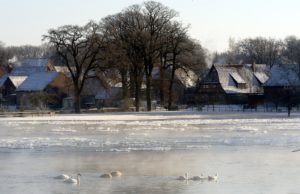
(25, 71)
(37, 81)
(30, 66)
(284, 75)
(225, 73)
(61, 69)
(64, 70)
(101, 91)
(187, 77)
(17, 80)
(252, 77)
(36, 62)
(258, 67)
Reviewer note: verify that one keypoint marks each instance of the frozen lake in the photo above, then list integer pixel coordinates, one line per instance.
(251, 153)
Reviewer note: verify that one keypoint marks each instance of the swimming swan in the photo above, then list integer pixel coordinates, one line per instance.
(198, 178)
(106, 176)
(74, 181)
(213, 178)
(62, 176)
(116, 173)
(182, 178)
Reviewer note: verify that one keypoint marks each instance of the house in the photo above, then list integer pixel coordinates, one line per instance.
(3, 78)
(43, 90)
(96, 94)
(233, 84)
(183, 81)
(9, 86)
(283, 86)
(188, 81)
(64, 69)
(31, 66)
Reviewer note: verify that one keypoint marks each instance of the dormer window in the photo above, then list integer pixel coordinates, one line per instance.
(261, 77)
(238, 80)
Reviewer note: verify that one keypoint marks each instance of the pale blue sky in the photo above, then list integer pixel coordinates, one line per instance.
(212, 22)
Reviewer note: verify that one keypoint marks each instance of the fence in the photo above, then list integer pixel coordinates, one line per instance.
(245, 108)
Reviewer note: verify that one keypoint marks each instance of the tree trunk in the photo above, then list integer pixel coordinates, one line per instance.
(77, 102)
(162, 86)
(170, 101)
(162, 80)
(137, 98)
(137, 90)
(132, 81)
(124, 85)
(148, 73)
(148, 91)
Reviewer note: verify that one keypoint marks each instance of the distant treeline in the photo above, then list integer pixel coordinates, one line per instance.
(261, 50)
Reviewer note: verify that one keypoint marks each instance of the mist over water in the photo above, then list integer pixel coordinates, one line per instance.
(250, 154)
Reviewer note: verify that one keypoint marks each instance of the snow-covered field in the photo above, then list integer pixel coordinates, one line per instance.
(252, 152)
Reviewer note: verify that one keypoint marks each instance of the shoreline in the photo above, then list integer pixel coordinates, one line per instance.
(157, 115)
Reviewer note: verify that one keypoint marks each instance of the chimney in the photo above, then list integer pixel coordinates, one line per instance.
(253, 67)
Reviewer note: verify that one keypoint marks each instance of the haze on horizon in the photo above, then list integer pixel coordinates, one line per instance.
(212, 22)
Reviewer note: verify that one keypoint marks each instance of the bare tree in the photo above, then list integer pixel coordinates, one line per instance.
(179, 43)
(156, 16)
(79, 49)
(118, 63)
(259, 50)
(145, 36)
(292, 49)
(252, 50)
(4, 54)
(187, 55)
(124, 32)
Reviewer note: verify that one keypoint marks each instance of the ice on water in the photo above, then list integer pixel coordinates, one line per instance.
(251, 153)
(155, 132)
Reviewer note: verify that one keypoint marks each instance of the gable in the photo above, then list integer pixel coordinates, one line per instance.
(212, 76)
(17, 80)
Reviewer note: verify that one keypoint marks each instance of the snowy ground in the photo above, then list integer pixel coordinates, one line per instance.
(252, 152)
(162, 115)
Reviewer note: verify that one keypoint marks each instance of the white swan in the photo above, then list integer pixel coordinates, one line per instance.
(106, 176)
(213, 178)
(116, 173)
(73, 181)
(198, 178)
(62, 176)
(182, 178)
